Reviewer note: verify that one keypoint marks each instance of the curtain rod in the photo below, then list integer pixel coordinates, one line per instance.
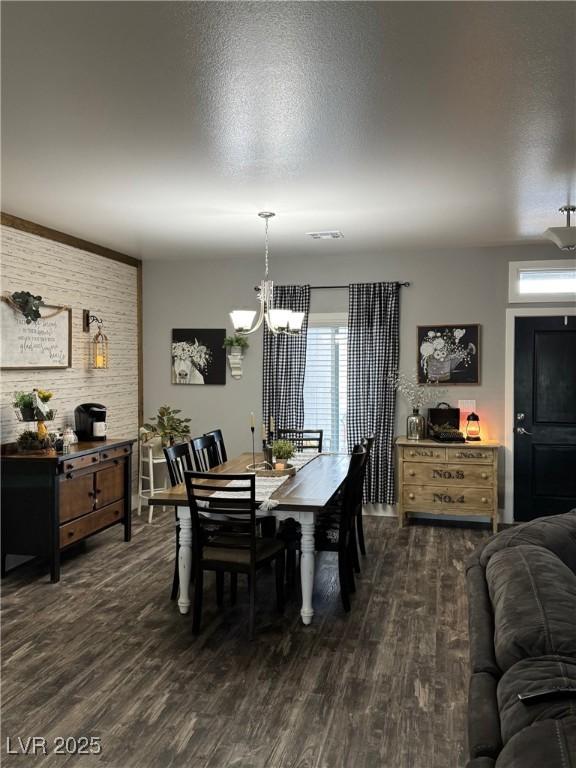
(327, 287)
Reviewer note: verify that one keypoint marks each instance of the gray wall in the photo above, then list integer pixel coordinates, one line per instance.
(463, 286)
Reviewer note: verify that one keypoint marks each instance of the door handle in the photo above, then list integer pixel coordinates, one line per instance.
(522, 431)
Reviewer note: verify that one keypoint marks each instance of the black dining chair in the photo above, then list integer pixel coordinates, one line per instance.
(335, 527)
(224, 538)
(205, 453)
(367, 442)
(178, 460)
(220, 447)
(303, 439)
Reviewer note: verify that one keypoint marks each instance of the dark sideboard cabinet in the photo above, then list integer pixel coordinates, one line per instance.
(51, 501)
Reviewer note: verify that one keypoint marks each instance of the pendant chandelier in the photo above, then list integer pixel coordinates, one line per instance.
(278, 320)
(564, 237)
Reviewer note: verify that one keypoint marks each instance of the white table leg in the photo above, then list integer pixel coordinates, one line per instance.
(307, 568)
(184, 559)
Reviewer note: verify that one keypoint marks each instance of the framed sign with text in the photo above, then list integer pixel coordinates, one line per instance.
(45, 343)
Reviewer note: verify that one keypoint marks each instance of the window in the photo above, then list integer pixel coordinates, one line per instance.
(325, 383)
(545, 281)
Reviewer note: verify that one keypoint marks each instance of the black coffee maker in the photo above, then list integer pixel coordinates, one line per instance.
(90, 421)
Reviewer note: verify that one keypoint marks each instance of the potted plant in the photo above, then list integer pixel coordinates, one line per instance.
(236, 344)
(168, 426)
(24, 404)
(31, 440)
(30, 406)
(282, 451)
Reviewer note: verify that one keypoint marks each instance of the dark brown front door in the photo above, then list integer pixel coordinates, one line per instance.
(545, 416)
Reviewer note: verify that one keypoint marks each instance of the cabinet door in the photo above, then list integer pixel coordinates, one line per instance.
(76, 496)
(109, 484)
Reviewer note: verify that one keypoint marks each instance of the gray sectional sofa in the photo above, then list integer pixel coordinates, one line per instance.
(522, 604)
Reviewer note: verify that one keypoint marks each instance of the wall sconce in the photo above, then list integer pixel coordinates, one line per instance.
(473, 427)
(98, 344)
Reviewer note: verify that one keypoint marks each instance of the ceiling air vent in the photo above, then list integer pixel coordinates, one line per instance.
(327, 234)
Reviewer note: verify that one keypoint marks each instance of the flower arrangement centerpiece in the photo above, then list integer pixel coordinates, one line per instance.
(417, 396)
(442, 351)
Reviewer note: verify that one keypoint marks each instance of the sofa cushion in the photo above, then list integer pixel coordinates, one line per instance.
(548, 744)
(533, 595)
(556, 533)
(532, 676)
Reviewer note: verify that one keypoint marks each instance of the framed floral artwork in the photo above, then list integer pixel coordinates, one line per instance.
(198, 356)
(448, 354)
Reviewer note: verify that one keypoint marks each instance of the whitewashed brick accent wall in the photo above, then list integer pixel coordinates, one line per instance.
(82, 280)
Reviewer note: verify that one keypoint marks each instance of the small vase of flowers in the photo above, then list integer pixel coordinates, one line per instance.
(417, 396)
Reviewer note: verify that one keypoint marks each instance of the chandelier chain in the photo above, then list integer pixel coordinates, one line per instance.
(266, 248)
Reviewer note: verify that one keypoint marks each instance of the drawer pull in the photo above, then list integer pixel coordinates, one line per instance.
(69, 476)
(90, 493)
(98, 490)
(412, 453)
(104, 455)
(411, 472)
(484, 475)
(69, 466)
(116, 461)
(126, 450)
(411, 496)
(484, 500)
(71, 533)
(94, 458)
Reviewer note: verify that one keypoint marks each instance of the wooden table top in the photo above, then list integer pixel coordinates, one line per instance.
(310, 488)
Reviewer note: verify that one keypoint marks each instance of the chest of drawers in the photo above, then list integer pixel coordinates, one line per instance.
(52, 501)
(447, 479)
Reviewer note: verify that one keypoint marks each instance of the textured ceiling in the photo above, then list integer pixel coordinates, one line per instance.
(162, 128)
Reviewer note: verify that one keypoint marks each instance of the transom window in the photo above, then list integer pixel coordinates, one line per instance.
(543, 281)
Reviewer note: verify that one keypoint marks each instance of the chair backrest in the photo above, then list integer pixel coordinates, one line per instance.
(354, 484)
(235, 497)
(178, 460)
(205, 453)
(367, 442)
(303, 439)
(220, 447)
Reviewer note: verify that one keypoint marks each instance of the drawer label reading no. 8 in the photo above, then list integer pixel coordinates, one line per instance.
(446, 474)
(445, 498)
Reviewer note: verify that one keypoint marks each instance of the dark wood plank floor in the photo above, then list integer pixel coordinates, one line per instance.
(105, 653)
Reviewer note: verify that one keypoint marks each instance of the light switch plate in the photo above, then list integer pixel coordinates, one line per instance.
(468, 406)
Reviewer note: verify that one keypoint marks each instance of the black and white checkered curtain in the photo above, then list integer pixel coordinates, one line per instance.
(373, 350)
(284, 363)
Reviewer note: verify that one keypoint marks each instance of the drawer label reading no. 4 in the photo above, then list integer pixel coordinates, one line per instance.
(445, 498)
(446, 474)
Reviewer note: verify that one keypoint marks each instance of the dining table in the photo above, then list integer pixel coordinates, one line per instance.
(300, 497)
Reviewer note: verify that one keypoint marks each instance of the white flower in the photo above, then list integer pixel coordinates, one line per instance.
(438, 343)
(430, 334)
(458, 333)
(426, 349)
(440, 354)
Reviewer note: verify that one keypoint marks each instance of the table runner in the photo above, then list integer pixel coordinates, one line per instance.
(265, 486)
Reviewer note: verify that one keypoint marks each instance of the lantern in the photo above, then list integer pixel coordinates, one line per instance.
(99, 345)
(473, 427)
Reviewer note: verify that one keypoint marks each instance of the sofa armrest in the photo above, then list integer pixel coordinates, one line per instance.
(484, 737)
(480, 623)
